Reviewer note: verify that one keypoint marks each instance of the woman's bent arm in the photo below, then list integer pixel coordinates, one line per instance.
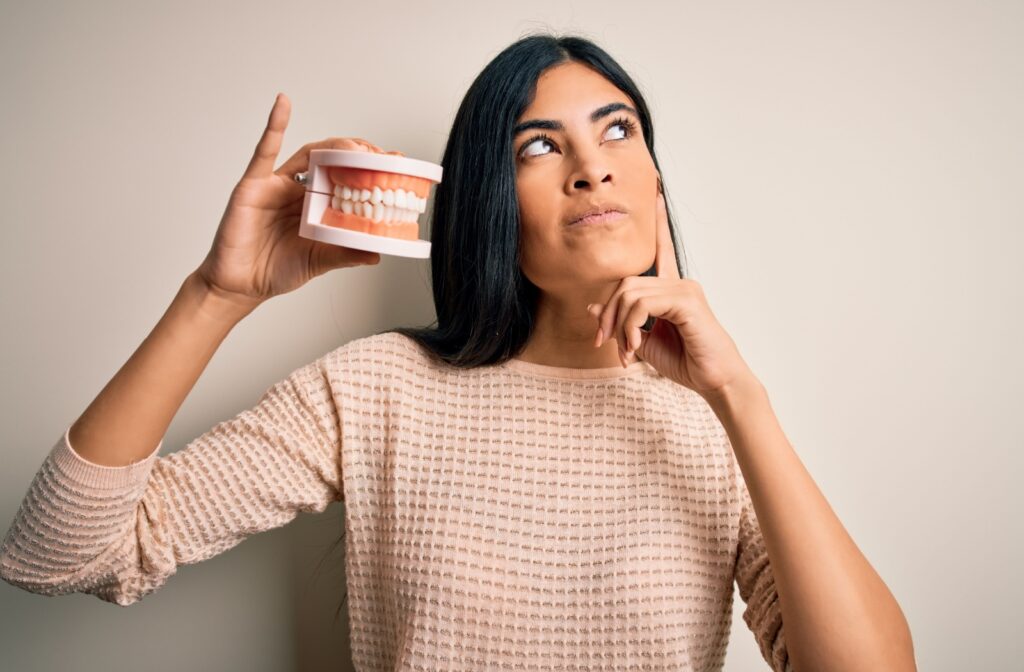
(131, 414)
(119, 531)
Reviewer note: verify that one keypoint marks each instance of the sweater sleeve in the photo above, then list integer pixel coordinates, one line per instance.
(120, 532)
(752, 570)
(757, 587)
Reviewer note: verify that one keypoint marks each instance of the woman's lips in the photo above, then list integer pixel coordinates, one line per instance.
(604, 217)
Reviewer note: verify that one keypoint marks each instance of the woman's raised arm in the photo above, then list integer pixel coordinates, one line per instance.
(256, 254)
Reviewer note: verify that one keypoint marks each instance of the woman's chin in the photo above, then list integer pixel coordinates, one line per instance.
(605, 276)
(617, 268)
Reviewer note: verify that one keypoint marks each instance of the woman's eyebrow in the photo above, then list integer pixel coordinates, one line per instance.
(554, 125)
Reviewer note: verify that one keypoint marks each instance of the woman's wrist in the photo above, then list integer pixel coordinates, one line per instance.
(215, 305)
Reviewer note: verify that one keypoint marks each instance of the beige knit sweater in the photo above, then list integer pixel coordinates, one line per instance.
(517, 516)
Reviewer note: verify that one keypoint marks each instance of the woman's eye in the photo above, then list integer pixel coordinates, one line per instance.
(625, 133)
(538, 141)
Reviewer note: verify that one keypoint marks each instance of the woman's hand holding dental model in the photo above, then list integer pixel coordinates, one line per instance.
(257, 252)
(686, 344)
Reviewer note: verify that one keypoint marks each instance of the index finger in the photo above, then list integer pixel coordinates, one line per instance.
(665, 257)
(262, 162)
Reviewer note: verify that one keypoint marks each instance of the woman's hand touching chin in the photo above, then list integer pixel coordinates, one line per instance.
(686, 344)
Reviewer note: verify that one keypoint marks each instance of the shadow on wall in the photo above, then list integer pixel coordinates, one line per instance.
(322, 641)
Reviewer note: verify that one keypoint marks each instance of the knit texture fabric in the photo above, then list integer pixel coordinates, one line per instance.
(517, 516)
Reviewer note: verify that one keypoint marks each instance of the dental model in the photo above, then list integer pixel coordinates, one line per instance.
(367, 201)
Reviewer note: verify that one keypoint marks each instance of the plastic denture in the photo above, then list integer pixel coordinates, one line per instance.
(376, 202)
(367, 200)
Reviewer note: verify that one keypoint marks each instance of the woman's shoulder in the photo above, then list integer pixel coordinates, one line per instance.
(377, 353)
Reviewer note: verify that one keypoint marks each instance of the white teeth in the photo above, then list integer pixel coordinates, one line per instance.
(380, 205)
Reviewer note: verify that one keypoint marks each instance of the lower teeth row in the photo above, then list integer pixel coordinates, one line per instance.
(378, 212)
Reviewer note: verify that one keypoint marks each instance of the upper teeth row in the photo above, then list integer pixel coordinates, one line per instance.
(398, 198)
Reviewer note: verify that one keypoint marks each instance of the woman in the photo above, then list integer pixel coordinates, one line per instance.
(555, 476)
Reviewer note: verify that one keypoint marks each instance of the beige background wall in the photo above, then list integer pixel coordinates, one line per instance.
(847, 180)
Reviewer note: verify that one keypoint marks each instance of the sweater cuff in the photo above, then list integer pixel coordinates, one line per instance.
(82, 471)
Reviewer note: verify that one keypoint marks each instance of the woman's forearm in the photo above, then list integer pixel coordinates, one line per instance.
(837, 612)
(124, 423)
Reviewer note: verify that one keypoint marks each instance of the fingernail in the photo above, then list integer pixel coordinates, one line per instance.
(597, 341)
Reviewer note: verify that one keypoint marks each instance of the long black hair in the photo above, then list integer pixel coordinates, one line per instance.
(485, 305)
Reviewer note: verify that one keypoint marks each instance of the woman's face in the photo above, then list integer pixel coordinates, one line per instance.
(593, 156)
